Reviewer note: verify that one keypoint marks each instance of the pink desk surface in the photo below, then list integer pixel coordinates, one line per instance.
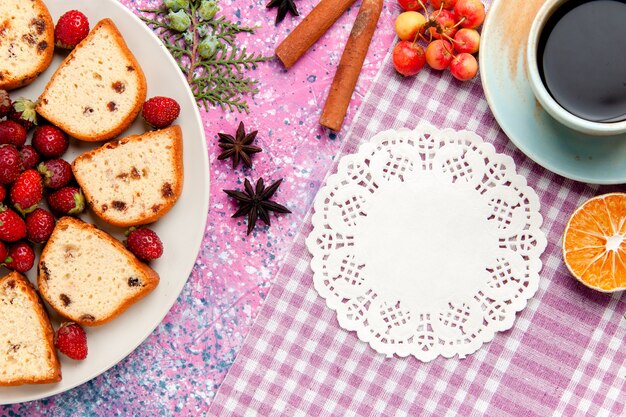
(179, 368)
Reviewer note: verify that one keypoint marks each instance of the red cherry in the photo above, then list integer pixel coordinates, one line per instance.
(464, 67)
(467, 40)
(439, 53)
(470, 13)
(411, 5)
(408, 58)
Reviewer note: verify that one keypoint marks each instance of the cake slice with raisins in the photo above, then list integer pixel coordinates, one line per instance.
(134, 180)
(88, 276)
(27, 352)
(26, 42)
(98, 90)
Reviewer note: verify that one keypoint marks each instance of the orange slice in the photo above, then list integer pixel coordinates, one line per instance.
(594, 243)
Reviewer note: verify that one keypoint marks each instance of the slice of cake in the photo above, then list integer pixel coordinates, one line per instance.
(27, 352)
(134, 180)
(26, 41)
(88, 276)
(99, 88)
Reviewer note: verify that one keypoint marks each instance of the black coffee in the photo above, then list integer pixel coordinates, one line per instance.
(582, 58)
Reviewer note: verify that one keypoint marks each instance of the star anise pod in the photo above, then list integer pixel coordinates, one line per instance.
(238, 147)
(256, 203)
(284, 6)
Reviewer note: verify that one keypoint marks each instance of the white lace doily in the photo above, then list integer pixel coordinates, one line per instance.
(426, 242)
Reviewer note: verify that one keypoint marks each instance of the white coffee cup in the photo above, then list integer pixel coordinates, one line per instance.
(546, 100)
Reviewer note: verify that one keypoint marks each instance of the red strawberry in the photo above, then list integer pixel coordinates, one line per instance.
(10, 164)
(5, 104)
(71, 28)
(50, 142)
(67, 201)
(160, 112)
(12, 227)
(29, 157)
(27, 191)
(3, 193)
(39, 225)
(24, 113)
(21, 257)
(144, 243)
(56, 173)
(12, 133)
(4, 252)
(71, 340)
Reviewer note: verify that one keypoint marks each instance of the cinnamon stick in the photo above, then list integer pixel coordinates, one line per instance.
(314, 25)
(350, 65)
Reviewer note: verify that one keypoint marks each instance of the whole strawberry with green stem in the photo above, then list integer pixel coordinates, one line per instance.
(56, 173)
(67, 201)
(27, 191)
(21, 257)
(72, 27)
(12, 226)
(24, 112)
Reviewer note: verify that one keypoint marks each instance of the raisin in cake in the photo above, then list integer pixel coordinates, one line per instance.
(27, 352)
(99, 88)
(134, 180)
(88, 276)
(26, 41)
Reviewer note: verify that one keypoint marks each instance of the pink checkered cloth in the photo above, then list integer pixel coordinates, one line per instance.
(564, 356)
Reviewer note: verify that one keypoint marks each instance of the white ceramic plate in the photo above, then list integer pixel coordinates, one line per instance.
(591, 159)
(181, 230)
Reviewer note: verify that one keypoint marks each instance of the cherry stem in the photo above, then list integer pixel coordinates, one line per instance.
(459, 22)
(451, 40)
(448, 37)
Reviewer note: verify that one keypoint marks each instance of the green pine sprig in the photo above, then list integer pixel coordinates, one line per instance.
(207, 53)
